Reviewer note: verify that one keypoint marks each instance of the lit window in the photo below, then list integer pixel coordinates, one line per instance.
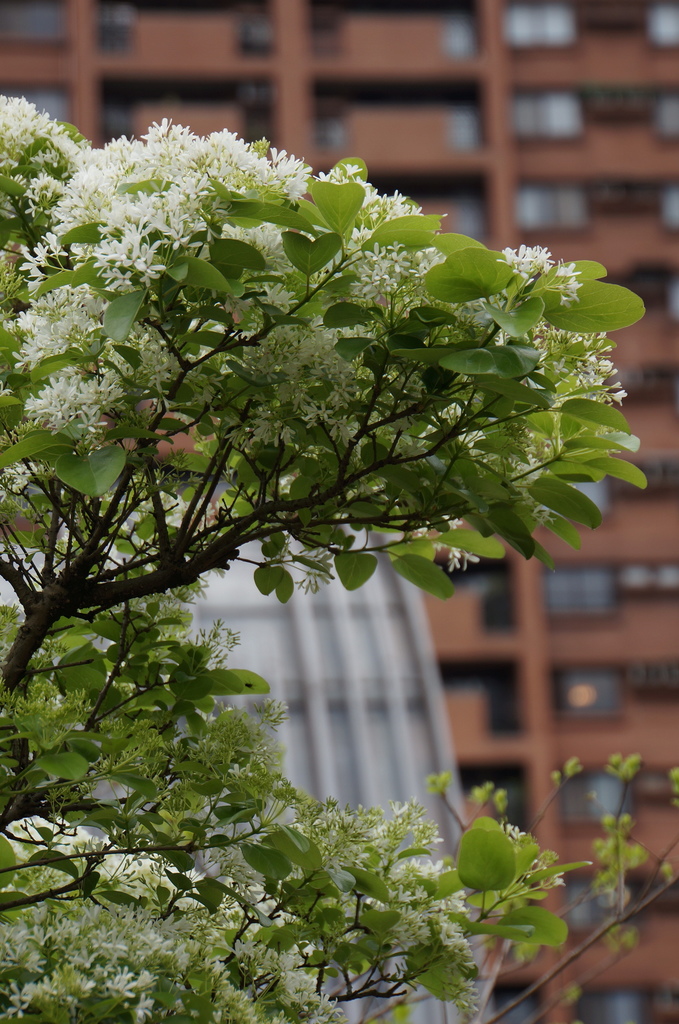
(580, 589)
(31, 19)
(464, 126)
(555, 115)
(614, 1006)
(590, 795)
(583, 691)
(667, 114)
(663, 24)
(541, 206)
(52, 101)
(459, 35)
(670, 206)
(540, 24)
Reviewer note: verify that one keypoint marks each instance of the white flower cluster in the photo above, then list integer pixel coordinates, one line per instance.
(69, 396)
(527, 261)
(530, 261)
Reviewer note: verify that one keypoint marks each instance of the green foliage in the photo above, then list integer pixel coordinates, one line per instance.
(199, 365)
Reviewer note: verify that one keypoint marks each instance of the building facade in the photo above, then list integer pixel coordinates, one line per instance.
(552, 123)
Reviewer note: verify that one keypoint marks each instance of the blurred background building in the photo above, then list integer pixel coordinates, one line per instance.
(551, 123)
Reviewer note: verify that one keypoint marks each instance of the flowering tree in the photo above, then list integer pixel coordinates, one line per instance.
(197, 357)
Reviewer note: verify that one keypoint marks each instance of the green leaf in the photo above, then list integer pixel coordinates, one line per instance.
(451, 242)
(58, 280)
(40, 443)
(137, 783)
(548, 929)
(121, 313)
(307, 255)
(566, 500)
(346, 314)
(286, 840)
(87, 234)
(380, 921)
(424, 574)
(201, 274)
(510, 526)
(468, 274)
(92, 474)
(351, 348)
(513, 389)
(517, 933)
(414, 230)
(486, 860)
(355, 568)
(565, 530)
(471, 540)
(589, 411)
(270, 212)
(7, 860)
(503, 360)
(268, 862)
(622, 470)
(268, 577)
(339, 203)
(11, 187)
(518, 321)
(358, 166)
(487, 823)
(67, 765)
(242, 680)
(599, 307)
(233, 252)
(368, 883)
(589, 270)
(285, 588)
(448, 883)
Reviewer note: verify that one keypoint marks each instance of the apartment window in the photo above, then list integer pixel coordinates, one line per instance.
(650, 577)
(550, 115)
(588, 691)
(31, 19)
(586, 907)
(496, 682)
(551, 206)
(507, 778)
(589, 795)
(255, 33)
(490, 582)
(116, 22)
(663, 24)
(580, 589)
(464, 127)
(526, 1010)
(614, 1006)
(669, 206)
(540, 24)
(52, 101)
(667, 115)
(654, 676)
(459, 35)
(597, 491)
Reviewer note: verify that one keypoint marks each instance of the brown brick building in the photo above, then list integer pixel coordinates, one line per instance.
(541, 122)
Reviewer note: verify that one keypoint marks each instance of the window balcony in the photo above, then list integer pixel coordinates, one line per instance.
(412, 138)
(418, 43)
(179, 42)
